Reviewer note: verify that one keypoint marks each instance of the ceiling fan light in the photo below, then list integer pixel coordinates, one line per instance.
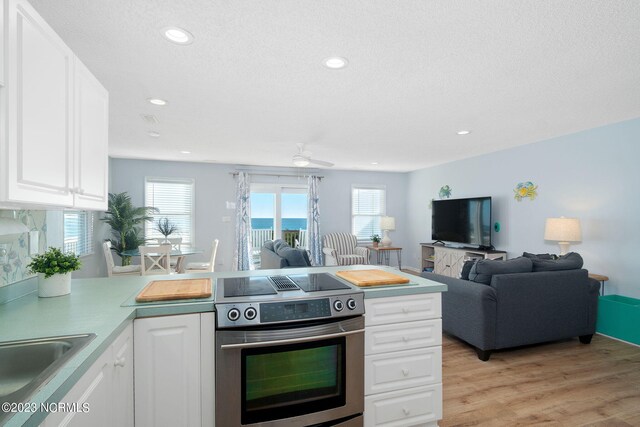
(300, 161)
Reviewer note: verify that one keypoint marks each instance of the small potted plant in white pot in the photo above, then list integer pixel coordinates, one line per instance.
(376, 240)
(54, 272)
(166, 228)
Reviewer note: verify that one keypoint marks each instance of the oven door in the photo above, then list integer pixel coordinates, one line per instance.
(293, 375)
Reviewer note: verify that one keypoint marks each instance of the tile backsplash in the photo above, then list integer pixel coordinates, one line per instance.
(17, 245)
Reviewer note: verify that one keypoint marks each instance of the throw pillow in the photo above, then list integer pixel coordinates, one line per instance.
(483, 270)
(466, 268)
(570, 261)
(293, 256)
(278, 244)
(539, 256)
(268, 245)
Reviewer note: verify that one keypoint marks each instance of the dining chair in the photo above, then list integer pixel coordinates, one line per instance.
(116, 270)
(155, 259)
(203, 267)
(175, 242)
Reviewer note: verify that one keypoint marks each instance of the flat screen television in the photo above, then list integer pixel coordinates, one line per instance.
(466, 221)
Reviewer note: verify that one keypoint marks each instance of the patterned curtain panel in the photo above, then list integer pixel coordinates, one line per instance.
(242, 259)
(313, 223)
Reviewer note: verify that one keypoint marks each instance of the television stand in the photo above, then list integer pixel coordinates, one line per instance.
(449, 261)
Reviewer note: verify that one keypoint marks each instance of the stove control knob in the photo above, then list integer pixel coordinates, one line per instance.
(233, 314)
(351, 304)
(250, 313)
(338, 305)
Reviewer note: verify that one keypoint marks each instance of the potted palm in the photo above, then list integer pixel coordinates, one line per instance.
(376, 240)
(54, 271)
(126, 221)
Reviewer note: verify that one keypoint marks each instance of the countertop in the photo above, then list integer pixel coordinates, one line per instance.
(95, 306)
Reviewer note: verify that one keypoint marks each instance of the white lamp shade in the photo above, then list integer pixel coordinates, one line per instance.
(387, 223)
(562, 229)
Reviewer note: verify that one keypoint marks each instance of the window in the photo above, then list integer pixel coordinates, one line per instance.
(174, 199)
(78, 232)
(368, 205)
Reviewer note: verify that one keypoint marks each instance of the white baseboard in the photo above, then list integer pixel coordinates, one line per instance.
(417, 270)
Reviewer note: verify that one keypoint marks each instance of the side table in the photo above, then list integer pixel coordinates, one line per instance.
(383, 253)
(600, 278)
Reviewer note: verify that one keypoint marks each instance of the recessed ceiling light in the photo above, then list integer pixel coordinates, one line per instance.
(157, 101)
(335, 62)
(374, 163)
(177, 35)
(153, 134)
(463, 132)
(185, 152)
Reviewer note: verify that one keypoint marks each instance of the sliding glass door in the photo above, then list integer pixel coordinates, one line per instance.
(278, 212)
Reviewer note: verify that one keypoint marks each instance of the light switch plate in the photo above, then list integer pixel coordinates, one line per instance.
(226, 219)
(231, 205)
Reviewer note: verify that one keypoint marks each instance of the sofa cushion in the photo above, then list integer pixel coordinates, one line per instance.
(539, 256)
(268, 245)
(350, 259)
(279, 243)
(483, 270)
(466, 268)
(570, 261)
(293, 256)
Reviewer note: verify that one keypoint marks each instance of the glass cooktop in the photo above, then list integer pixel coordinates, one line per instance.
(263, 285)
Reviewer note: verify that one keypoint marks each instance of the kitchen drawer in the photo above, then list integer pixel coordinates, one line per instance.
(402, 336)
(402, 370)
(406, 308)
(420, 406)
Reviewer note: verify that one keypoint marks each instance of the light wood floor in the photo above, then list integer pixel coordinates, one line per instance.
(558, 384)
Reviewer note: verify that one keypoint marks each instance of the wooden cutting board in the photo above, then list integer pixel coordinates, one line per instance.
(164, 290)
(372, 277)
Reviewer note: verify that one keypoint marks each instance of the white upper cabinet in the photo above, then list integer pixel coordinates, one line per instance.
(91, 140)
(56, 118)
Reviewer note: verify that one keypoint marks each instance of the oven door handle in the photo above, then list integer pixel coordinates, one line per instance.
(290, 340)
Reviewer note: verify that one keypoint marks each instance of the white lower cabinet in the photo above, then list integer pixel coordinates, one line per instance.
(174, 370)
(105, 390)
(403, 361)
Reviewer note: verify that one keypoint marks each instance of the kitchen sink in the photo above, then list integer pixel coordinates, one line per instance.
(26, 365)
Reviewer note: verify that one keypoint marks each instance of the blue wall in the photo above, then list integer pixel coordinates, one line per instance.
(593, 175)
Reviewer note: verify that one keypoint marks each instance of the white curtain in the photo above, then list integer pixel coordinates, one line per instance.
(242, 256)
(313, 223)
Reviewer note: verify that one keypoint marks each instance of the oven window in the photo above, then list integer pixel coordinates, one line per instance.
(288, 380)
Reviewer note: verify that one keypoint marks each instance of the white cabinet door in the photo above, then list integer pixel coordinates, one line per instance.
(420, 406)
(167, 371)
(3, 37)
(105, 391)
(122, 395)
(406, 308)
(91, 119)
(39, 150)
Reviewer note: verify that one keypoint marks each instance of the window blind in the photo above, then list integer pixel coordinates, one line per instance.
(78, 232)
(174, 199)
(368, 206)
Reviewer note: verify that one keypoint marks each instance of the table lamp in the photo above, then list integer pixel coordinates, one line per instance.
(564, 231)
(387, 223)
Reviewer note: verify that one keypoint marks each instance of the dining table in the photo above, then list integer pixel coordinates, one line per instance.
(178, 254)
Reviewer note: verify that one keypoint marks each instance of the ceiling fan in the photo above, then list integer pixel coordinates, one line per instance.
(303, 158)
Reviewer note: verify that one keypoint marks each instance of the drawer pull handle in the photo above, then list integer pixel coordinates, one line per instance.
(406, 411)
(405, 309)
(405, 371)
(120, 361)
(405, 339)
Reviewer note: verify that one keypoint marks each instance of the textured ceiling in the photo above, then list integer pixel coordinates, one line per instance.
(252, 84)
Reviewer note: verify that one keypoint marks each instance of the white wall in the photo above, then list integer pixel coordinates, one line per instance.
(592, 175)
(214, 186)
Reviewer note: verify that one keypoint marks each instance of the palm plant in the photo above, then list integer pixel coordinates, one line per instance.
(126, 223)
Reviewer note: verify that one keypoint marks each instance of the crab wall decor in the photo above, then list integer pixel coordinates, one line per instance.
(445, 191)
(525, 189)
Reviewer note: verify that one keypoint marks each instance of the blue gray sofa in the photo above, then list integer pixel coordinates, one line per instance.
(278, 254)
(508, 309)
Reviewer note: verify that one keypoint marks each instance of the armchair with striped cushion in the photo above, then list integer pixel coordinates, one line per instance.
(343, 249)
